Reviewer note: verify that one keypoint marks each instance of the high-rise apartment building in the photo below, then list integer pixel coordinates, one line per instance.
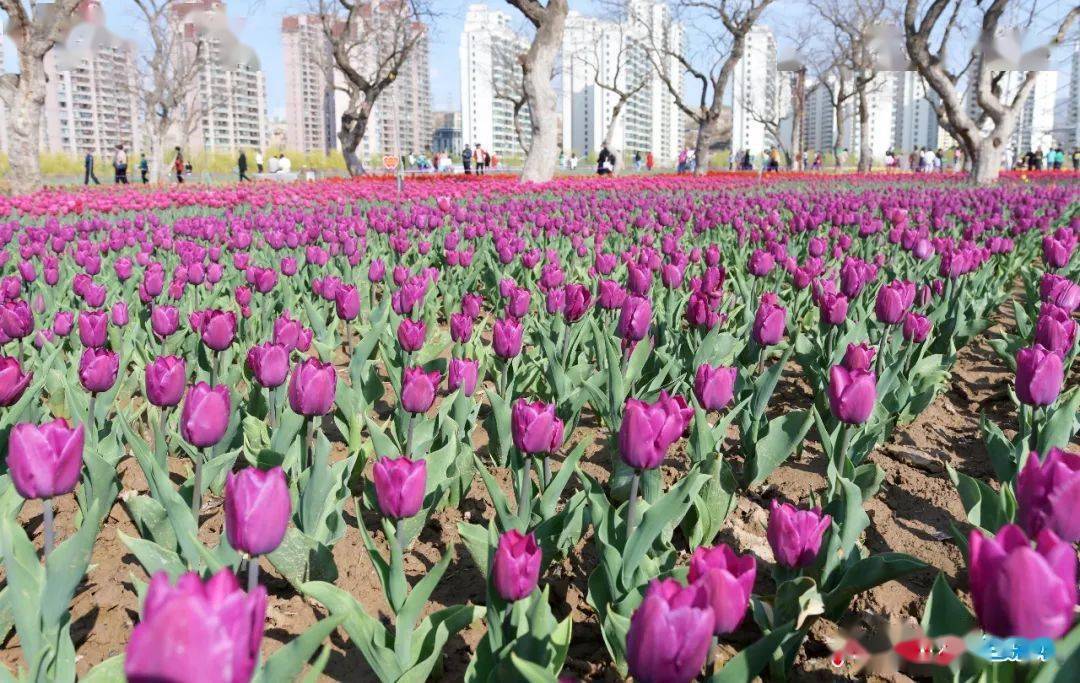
(1072, 112)
(447, 134)
(755, 93)
(600, 57)
(490, 81)
(229, 102)
(310, 117)
(92, 94)
(915, 123)
(819, 119)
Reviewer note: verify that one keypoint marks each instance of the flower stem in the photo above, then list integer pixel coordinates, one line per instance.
(253, 574)
(309, 436)
(839, 458)
(399, 537)
(631, 507)
(196, 491)
(525, 492)
(547, 470)
(91, 418)
(48, 523)
(410, 425)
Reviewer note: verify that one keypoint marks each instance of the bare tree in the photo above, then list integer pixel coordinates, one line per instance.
(725, 49)
(985, 135)
(617, 80)
(370, 41)
(538, 64)
(835, 79)
(169, 71)
(506, 60)
(35, 29)
(853, 32)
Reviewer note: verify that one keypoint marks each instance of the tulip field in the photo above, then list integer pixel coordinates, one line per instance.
(664, 428)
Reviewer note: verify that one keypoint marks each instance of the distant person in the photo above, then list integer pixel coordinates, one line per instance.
(88, 165)
(605, 162)
(258, 161)
(241, 166)
(681, 166)
(144, 168)
(466, 159)
(274, 164)
(816, 166)
(573, 161)
(649, 161)
(179, 166)
(638, 161)
(1076, 158)
(480, 159)
(120, 166)
(1039, 159)
(842, 158)
(284, 165)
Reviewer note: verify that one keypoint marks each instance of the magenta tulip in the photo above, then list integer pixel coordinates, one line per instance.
(205, 415)
(515, 568)
(400, 484)
(166, 379)
(257, 509)
(45, 461)
(13, 381)
(312, 388)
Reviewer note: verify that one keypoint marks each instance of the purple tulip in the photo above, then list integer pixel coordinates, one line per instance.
(290, 333)
(1055, 329)
(858, 356)
(834, 308)
(1046, 494)
(714, 387)
(648, 430)
(852, 394)
(462, 374)
(634, 319)
(1039, 375)
(1020, 591)
(728, 580)
(506, 338)
(610, 295)
(761, 263)
(98, 369)
(1057, 252)
(93, 328)
(410, 334)
(312, 388)
(893, 300)
(461, 327)
(399, 486)
(670, 633)
(638, 280)
(795, 534)
(45, 461)
(218, 329)
(1060, 291)
(535, 427)
(515, 568)
(916, 327)
(376, 271)
(63, 323)
(257, 509)
(347, 302)
(269, 364)
(577, 300)
(16, 319)
(471, 304)
(166, 379)
(205, 415)
(769, 323)
(13, 381)
(197, 631)
(517, 303)
(418, 389)
(164, 320)
(120, 314)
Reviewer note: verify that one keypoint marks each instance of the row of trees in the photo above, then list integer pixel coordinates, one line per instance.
(369, 41)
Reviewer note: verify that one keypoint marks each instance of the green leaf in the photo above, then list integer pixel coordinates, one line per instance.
(667, 511)
(408, 614)
(984, 507)
(366, 633)
(285, 665)
(109, 671)
(1062, 424)
(944, 613)
(65, 569)
(783, 436)
(532, 673)
(25, 583)
(749, 662)
(866, 574)
(152, 556)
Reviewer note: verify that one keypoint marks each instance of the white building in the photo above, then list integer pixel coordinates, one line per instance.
(1072, 116)
(755, 93)
(489, 75)
(310, 121)
(881, 118)
(1035, 125)
(230, 100)
(599, 53)
(916, 123)
(818, 120)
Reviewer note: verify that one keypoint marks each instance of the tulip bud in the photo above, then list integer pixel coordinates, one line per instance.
(205, 415)
(257, 509)
(670, 633)
(506, 338)
(761, 263)
(120, 314)
(312, 388)
(98, 369)
(164, 320)
(461, 327)
(858, 356)
(893, 300)
(462, 374)
(648, 430)
(634, 319)
(1039, 375)
(1046, 494)
(577, 299)
(834, 308)
(1020, 591)
(45, 461)
(16, 319)
(535, 427)
(218, 329)
(916, 327)
(400, 484)
(1055, 329)
(410, 334)
(418, 389)
(166, 378)
(13, 381)
(196, 630)
(728, 579)
(769, 323)
(63, 322)
(852, 394)
(269, 364)
(347, 302)
(93, 328)
(714, 387)
(515, 569)
(795, 534)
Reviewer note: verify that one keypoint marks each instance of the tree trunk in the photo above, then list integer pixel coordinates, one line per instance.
(866, 155)
(538, 66)
(798, 105)
(838, 141)
(156, 162)
(987, 163)
(705, 132)
(24, 127)
(353, 125)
